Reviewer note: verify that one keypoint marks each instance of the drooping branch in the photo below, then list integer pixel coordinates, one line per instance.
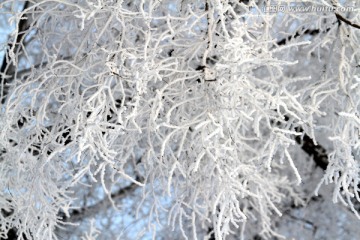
(86, 212)
(105, 203)
(6, 66)
(316, 151)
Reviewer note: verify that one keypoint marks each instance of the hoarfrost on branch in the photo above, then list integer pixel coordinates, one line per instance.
(142, 119)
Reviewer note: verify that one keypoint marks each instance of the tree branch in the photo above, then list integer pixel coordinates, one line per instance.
(86, 212)
(347, 21)
(311, 32)
(6, 66)
(317, 152)
(341, 18)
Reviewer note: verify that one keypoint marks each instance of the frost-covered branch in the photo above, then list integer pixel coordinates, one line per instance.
(212, 96)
